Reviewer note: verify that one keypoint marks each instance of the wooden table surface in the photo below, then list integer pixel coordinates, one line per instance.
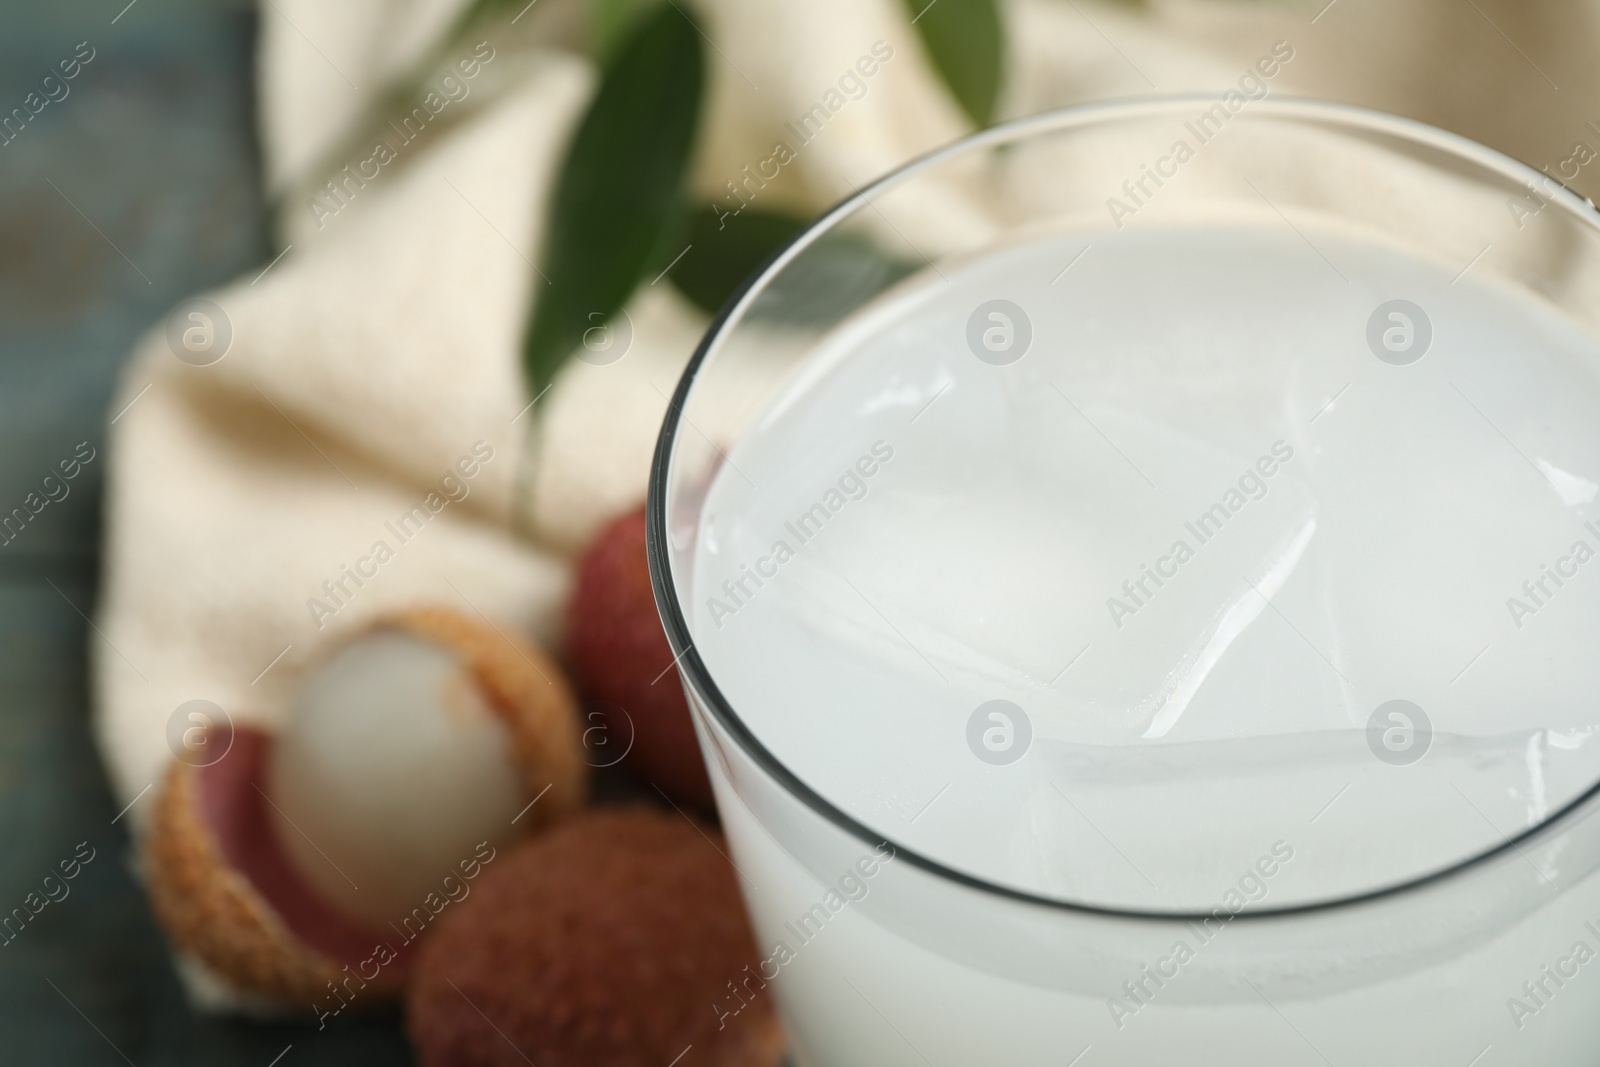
(138, 188)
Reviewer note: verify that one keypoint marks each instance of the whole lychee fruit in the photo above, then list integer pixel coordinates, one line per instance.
(617, 939)
(621, 660)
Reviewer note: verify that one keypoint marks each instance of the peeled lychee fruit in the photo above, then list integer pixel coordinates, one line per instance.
(618, 939)
(289, 866)
(621, 660)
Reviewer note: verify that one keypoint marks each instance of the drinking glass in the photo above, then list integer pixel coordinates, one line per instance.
(881, 951)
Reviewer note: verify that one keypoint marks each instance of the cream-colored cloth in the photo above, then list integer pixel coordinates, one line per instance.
(378, 360)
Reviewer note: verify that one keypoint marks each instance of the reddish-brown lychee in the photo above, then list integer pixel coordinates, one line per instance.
(612, 940)
(621, 661)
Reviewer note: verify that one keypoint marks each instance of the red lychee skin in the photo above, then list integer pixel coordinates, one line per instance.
(619, 656)
(608, 941)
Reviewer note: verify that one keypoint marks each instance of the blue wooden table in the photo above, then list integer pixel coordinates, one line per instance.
(135, 189)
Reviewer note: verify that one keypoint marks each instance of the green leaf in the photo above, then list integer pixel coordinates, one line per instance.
(725, 249)
(617, 200)
(830, 278)
(965, 41)
(610, 20)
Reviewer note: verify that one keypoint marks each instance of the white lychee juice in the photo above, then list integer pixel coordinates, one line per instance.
(1208, 629)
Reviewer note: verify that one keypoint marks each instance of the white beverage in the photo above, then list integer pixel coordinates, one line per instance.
(1230, 503)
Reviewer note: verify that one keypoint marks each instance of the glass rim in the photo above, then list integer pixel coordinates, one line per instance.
(699, 677)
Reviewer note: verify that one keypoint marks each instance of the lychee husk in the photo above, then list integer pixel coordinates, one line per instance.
(213, 913)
